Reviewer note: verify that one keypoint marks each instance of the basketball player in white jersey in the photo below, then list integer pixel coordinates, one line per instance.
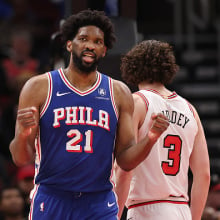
(157, 189)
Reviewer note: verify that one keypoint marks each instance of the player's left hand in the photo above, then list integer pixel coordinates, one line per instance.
(159, 124)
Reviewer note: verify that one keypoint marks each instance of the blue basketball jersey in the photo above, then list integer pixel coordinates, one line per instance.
(75, 145)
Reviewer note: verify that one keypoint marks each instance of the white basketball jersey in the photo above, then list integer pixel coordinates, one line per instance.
(163, 175)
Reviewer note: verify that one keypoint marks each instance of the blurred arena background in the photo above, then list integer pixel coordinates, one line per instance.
(30, 44)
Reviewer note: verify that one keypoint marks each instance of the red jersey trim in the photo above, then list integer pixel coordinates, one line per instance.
(38, 148)
(49, 95)
(144, 99)
(191, 109)
(173, 95)
(63, 77)
(112, 97)
(157, 201)
(32, 202)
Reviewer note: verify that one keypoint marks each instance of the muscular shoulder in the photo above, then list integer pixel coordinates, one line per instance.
(34, 92)
(123, 96)
(140, 109)
(139, 99)
(37, 82)
(120, 88)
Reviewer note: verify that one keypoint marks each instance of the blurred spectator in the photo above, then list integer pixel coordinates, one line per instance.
(21, 17)
(209, 214)
(58, 54)
(5, 180)
(8, 115)
(217, 215)
(213, 199)
(11, 204)
(46, 24)
(212, 210)
(25, 182)
(32, 16)
(16, 69)
(19, 61)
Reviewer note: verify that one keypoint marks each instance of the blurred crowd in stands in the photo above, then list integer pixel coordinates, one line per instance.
(29, 44)
(26, 28)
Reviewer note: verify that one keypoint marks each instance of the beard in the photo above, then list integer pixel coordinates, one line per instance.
(83, 66)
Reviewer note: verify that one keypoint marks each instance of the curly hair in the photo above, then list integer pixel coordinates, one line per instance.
(151, 61)
(87, 17)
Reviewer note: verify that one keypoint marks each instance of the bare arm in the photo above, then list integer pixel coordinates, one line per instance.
(31, 99)
(123, 178)
(122, 186)
(199, 164)
(128, 154)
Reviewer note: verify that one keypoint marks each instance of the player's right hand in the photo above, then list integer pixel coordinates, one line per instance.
(26, 120)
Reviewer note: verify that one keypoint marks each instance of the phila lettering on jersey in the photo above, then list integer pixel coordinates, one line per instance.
(75, 115)
(77, 155)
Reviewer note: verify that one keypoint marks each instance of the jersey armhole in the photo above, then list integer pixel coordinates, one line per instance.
(112, 96)
(191, 108)
(144, 99)
(49, 94)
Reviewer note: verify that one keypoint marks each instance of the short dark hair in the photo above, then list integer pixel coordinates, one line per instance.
(87, 17)
(151, 61)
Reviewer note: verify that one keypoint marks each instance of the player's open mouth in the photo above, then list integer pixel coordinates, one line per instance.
(88, 57)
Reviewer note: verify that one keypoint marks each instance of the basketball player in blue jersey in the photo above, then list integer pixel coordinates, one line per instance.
(158, 187)
(74, 122)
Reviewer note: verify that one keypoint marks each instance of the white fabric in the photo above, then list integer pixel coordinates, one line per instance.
(160, 211)
(150, 181)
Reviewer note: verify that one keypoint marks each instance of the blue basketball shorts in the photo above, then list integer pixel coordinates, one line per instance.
(49, 204)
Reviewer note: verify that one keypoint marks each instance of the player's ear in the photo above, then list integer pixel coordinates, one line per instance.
(104, 53)
(69, 45)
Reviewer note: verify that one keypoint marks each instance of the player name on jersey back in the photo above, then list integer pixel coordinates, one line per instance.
(176, 118)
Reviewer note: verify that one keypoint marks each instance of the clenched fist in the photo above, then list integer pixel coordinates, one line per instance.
(159, 124)
(26, 120)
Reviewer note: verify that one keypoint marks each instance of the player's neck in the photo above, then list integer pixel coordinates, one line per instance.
(79, 80)
(160, 88)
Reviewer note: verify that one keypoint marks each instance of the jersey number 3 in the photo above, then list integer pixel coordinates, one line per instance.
(174, 145)
(73, 145)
